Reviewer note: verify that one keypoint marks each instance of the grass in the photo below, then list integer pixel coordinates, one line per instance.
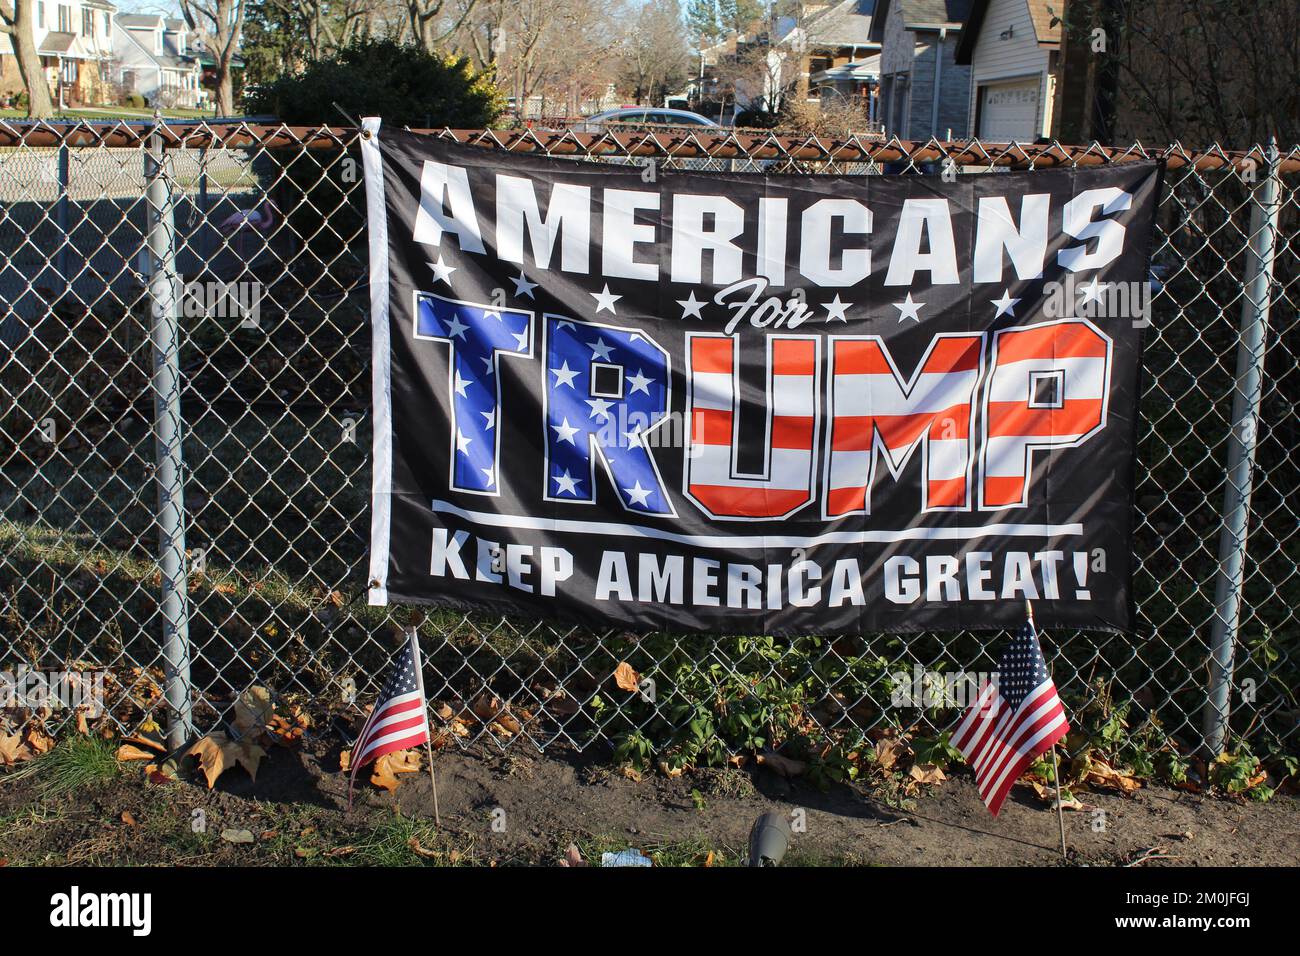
(77, 762)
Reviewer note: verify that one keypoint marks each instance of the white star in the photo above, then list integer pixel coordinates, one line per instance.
(835, 309)
(636, 495)
(491, 419)
(600, 350)
(639, 382)
(599, 407)
(522, 339)
(524, 287)
(1091, 292)
(633, 438)
(564, 375)
(566, 483)
(605, 300)
(907, 309)
(1006, 305)
(487, 473)
(461, 384)
(456, 328)
(691, 306)
(462, 442)
(487, 365)
(565, 432)
(441, 271)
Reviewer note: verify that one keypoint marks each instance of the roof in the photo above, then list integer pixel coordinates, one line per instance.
(865, 69)
(56, 43)
(919, 14)
(1040, 13)
(845, 24)
(148, 21)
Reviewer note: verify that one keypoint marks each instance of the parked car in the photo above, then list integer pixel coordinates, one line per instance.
(641, 116)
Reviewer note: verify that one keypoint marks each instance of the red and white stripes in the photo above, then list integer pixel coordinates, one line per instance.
(712, 479)
(875, 409)
(1047, 389)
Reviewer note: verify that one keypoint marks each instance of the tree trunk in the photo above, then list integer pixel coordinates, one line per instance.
(225, 90)
(39, 103)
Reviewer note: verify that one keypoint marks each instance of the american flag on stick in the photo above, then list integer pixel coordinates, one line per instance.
(400, 719)
(1014, 719)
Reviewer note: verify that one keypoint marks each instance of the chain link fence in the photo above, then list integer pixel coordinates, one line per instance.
(267, 393)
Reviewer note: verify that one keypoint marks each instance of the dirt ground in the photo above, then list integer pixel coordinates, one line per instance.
(525, 809)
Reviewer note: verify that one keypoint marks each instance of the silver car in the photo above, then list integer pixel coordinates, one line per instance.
(642, 117)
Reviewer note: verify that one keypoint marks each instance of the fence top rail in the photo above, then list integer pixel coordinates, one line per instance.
(723, 144)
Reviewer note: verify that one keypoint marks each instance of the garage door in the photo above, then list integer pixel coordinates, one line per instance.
(1009, 111)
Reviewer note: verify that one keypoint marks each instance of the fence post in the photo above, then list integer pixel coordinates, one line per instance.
(1247, 393)
(61, 216)
(167, 424)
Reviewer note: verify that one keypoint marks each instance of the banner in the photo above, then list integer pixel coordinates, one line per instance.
(626, 396)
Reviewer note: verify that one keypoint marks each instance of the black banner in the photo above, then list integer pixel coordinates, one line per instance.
(629, 396)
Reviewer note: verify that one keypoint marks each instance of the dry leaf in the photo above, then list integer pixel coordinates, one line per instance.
(128, 818)
(486, 707)
(217, 753)
(132, 752)
(669, 771)
(1101, 774)
(927, 773)
(389, 766)
(13, 750)
(626, 678)
(785, 766)
(345, 760)
(237, 836)
(253, 710)
(38, 740)
(888, 752)
(419, 850)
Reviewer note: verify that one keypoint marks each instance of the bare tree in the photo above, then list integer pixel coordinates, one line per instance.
(219, 22)
(16, 19)
(434, 21)
(654, 55)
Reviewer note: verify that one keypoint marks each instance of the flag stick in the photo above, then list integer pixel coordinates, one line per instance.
(433, 778)
(1056, 768)
(413, 635)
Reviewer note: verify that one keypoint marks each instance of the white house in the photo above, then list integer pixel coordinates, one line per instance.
(1012, 47)
(74, 39)
(157, 59)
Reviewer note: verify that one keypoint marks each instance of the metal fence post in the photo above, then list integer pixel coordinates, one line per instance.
(1246, 396)
(165, 334)
(61, 216)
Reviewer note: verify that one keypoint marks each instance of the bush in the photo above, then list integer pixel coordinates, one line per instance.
(134, 101)
(405, 84)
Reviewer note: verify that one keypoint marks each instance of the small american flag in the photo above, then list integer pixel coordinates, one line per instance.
(400, 719)
(1015, 718)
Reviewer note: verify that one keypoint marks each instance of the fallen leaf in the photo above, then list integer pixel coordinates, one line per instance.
(237, 836)
(217, 753)
(341, 851)
(669, 771)
(253, 710)
(419, 850)
(128, 818)
(389, 766)
(626, 678)
(38, 740)
(708, 860)
(143, 740)
(927, 773)
(13, 750)
(305, 852)
(888, 752)
(132, 752)
(486, 707)
(1101, 774)
(785, 766)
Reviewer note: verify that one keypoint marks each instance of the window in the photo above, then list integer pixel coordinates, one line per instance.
(65, 19)
(87, 22)
(108, 25)
(40, 14)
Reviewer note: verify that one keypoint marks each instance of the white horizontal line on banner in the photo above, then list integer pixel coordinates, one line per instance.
(756, 542)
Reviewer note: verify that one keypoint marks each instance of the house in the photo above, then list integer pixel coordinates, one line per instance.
(157, 60)
(924, 91)
(1012, 48)
(840, 59)
(74, 39)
